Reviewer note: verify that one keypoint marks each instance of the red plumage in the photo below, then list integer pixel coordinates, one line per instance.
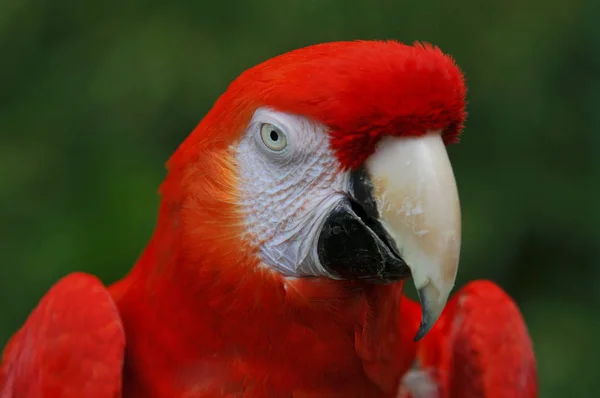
(202, 318)
(365, 90)
(71, 346)
(361, 90)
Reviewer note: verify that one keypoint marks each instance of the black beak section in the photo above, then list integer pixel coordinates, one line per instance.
(353, 244)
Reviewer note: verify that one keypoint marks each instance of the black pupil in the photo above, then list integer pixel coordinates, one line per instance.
(274, 135)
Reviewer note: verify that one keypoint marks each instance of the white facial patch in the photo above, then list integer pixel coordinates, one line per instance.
(288, 185)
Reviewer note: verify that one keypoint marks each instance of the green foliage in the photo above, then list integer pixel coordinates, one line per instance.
(94, 97)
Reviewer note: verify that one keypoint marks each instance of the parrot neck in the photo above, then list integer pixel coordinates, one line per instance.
(191, 314)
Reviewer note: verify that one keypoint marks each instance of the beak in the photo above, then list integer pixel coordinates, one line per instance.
(402, 218)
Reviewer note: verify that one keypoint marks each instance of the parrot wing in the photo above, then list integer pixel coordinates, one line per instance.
(492, 350)
(480, 347)
(72, 345)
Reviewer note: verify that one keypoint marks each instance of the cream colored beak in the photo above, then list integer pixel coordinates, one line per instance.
(417, 197)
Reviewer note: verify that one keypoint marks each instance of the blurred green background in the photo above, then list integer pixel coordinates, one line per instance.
(95, 96)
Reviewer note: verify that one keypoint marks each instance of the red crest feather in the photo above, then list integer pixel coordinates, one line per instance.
(361, 90)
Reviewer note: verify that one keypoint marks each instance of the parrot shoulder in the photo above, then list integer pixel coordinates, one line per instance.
(72, 345)
(480, 346)
(492, 347)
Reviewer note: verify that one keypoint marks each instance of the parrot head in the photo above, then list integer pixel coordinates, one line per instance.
(327, 162)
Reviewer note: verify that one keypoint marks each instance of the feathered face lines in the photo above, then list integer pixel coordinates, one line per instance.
(287, 171)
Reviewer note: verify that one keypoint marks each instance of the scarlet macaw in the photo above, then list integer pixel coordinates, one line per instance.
(290, 219)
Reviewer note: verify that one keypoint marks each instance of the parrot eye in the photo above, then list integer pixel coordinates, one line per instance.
(273, 137)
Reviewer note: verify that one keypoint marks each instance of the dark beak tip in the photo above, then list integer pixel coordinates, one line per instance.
(428, 319)
(423, 330)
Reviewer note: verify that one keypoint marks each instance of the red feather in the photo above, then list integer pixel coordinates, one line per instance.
(220, 322)
(71, 346)
(480, 346)
(361, 90)
(202, 317)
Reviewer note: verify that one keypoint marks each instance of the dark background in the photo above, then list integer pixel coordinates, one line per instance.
(95, 96)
